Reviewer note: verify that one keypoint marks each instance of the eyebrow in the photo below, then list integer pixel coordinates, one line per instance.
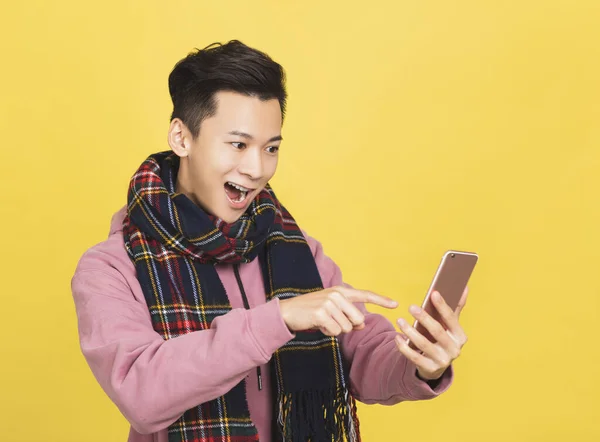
(250, 137)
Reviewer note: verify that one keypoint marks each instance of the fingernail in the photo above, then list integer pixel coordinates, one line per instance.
(414, 310)
(436, 296)
(402, 322)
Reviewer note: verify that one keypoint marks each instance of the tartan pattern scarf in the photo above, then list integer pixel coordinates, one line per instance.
(175, 245)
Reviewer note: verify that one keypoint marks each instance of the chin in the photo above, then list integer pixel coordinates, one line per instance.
(230, 217)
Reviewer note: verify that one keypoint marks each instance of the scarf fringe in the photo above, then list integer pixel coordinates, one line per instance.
(318, 416)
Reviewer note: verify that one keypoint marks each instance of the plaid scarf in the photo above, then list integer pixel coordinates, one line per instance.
(174, 245)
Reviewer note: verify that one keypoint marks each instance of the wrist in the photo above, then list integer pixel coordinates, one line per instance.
(433, 382)
(284, 313)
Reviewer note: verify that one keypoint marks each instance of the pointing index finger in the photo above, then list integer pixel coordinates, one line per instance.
(356, 295)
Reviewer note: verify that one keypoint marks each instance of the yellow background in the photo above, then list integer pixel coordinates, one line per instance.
(413, 127)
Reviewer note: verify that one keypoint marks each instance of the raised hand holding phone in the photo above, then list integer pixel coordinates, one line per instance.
(437, 338)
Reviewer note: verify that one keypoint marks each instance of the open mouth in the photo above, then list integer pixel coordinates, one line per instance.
(235, 193)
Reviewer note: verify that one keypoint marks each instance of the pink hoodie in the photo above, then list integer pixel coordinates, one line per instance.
(153, 381)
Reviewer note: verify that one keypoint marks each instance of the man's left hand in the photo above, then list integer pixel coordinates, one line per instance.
(433, 358)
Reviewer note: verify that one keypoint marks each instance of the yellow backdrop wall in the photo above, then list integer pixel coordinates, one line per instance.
(413, 127)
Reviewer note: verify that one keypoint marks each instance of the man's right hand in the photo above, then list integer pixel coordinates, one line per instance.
(330, 310)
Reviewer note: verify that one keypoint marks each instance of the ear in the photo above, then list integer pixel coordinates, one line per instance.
(179, 138)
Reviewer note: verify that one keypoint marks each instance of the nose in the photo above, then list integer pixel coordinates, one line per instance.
(251, 164)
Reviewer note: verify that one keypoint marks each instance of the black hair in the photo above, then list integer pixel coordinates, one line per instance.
(233, 66)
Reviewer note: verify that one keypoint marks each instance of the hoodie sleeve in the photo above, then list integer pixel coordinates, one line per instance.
(379, 373)
(153, 381)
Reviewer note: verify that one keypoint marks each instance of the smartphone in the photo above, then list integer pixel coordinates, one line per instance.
(450, 281)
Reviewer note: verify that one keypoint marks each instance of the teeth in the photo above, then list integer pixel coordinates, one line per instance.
(243, 194)
(237, 186)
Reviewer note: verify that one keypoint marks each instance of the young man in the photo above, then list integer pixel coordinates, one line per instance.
(209, 315)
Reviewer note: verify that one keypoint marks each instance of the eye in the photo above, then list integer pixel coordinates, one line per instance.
(274, 149)
(238, 145)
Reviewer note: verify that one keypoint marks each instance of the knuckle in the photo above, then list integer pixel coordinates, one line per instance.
(433, 367)
(333, 298)
(356, 318)
(328, 304)
(436, 328)
(336, 297)
(321, 316)
(326, 332)
(444, 361)
(335, 290)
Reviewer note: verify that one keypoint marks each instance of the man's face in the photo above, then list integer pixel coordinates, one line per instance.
(234, 156)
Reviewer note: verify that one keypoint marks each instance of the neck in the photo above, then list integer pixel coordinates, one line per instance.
(182, 183)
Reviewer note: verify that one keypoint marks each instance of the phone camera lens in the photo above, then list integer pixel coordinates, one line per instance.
(452, 255)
